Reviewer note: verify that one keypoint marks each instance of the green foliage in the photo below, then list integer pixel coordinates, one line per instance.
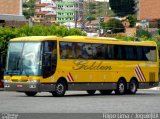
(28, 8)
(114, 25)
(125, 38)
(90, 18)
(101, 19)
(143, 33)
(92, 9)
(123, 7)
(132, 20)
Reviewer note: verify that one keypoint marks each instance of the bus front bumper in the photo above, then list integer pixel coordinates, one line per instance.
(27, 87)
(21, 87)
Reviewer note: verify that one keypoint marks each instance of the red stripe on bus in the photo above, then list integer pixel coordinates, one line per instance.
(71, 76)
(142, 73)
(138, 74)
(68, 78)
(139, 70)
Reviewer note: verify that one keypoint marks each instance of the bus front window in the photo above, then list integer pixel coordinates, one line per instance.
(23, 58)
(31, 59)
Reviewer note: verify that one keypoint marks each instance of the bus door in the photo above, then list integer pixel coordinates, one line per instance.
(49, 58)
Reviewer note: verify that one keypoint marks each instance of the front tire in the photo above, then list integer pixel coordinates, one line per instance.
(91, 92)
(121, 87)
(60, 89)
(30, 94)
(133, 87)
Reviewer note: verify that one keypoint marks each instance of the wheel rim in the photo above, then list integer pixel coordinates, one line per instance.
(133, 87)
(60, 88)
(121, 88)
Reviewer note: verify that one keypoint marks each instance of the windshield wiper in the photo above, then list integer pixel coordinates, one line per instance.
(17, 64)
(27, 74)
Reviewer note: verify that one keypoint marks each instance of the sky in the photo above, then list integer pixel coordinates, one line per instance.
(102, 0)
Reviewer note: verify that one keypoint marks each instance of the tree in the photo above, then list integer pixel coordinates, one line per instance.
(114, 25)
(132, 20)
(90, 18)
(29, 9)
(123, 7)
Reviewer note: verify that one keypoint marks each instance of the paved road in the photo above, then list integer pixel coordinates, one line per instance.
(80, 102)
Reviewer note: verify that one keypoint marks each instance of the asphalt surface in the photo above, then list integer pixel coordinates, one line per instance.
(145, 101)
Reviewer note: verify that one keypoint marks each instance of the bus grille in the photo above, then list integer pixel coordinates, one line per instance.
(16, 80)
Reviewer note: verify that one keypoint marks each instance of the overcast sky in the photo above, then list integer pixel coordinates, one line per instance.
(102, 0)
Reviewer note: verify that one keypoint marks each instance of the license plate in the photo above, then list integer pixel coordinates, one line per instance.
(19, 86)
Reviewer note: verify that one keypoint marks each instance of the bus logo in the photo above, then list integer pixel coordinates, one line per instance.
(69, 77)
(139, 74)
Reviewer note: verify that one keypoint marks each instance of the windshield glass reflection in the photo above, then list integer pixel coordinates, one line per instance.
(23, 58)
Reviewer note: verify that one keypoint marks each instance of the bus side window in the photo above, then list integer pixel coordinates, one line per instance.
(110, 51)
(63, 50)
(122, 52)
(146, 51)
(77, 50)
(116, 52)
(98, 51)
(87, 52)
(152, 54)
(67, 50)
(139, 53)
(131, 54)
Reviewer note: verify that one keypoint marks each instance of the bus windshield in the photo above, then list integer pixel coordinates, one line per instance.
(23, 58)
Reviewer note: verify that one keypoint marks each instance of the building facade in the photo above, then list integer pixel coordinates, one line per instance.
(65, 12)
(45, 11)
(11, 7)
(59, 11)
(149, 9)
(11, 13)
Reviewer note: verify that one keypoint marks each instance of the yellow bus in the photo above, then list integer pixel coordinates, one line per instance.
(54, 64)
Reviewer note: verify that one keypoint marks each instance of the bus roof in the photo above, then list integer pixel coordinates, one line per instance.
(35, 38)
(106, 40)
(103, 40)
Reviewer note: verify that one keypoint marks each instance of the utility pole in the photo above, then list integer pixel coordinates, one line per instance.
(76, 12)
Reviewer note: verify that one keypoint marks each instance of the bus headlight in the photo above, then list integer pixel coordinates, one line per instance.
(7, 81)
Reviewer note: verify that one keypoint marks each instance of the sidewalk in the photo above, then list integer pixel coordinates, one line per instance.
(155, 88)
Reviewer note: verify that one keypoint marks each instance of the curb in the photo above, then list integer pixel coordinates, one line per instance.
(155, 88)
(1, 89)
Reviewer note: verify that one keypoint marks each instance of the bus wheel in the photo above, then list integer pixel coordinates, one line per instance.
(133, 87)
(91, 92)
(30, 93)
(60, 89)
(105, 92)
(121, 87)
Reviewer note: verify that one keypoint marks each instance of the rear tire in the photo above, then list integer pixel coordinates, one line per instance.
(60, 89)
(30, 94)
(121, 87)
(105, 92)
(133, 85)
(91, 92)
